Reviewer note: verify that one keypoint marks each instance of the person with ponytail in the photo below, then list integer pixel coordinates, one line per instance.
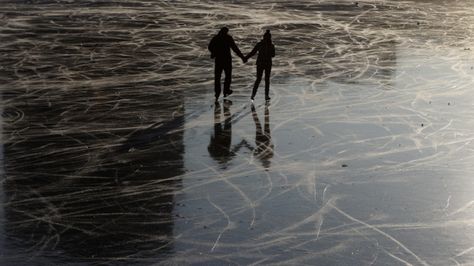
(266, 50)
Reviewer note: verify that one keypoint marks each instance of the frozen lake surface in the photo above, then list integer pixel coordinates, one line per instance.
(114, 151)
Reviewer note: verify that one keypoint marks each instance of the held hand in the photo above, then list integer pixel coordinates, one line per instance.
(244, 59)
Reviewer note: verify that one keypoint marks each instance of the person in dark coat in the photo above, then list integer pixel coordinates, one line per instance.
(219, 47)
(266, 50)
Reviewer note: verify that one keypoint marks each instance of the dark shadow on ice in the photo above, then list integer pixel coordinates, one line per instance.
(143, 138)
(81, 203)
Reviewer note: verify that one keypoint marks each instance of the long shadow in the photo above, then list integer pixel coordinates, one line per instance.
(113, 206)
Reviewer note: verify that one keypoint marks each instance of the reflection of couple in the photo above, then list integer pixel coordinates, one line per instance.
(220, 144)
(220, 46)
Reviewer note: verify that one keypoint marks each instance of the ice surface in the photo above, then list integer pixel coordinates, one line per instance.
(115, 153)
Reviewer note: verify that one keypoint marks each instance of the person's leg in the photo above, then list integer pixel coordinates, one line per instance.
(268, 70)
(257, 81)
(217, 79)
(228, 78)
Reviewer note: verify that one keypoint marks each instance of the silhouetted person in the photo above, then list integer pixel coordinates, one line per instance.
(266, 50)
(219, 145)
(263, 138)
(219, 47)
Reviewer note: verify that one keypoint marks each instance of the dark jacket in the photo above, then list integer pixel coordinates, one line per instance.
(220, 46)
(266, 50)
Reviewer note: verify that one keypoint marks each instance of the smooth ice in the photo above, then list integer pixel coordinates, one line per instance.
(114, 152)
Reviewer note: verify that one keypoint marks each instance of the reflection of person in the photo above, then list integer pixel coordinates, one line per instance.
(219, 145)
(219, 47)
(263, 138)
(266, 50)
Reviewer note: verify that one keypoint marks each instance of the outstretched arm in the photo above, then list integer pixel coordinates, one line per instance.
(235, 48)
(273, 50)
(254, 51)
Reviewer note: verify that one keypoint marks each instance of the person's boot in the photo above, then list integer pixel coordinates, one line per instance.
(229, 92)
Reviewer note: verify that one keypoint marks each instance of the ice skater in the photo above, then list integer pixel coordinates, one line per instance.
(266, 50)
(219, 47)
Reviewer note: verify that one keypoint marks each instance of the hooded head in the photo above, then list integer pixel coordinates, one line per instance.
(224, 31)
